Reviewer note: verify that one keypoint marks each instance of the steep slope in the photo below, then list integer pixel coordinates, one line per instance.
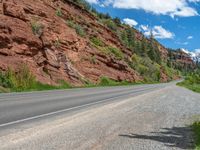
(60, 40)
(181, 60)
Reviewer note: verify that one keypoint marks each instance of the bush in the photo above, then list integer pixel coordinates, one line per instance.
(83, 3)
(192, 82)
(110, 24)
(57, 43)
(146, 68)
(169, 71)
(59, 12)
(196, 130)
(80, 31)
(37, 28)
(23, 80)
(97, 42)
(117, 52)
(70, 23)
(105, 81)
(4, 81)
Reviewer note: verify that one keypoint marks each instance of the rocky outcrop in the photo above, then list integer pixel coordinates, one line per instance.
(31, 33)
(181, 60)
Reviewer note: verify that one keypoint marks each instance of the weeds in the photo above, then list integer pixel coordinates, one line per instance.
(59, 12)
(23, 80)
(37, 28)
(191, 82)
(196, 130)
(97, 42)
(57, 43)
(79, 29)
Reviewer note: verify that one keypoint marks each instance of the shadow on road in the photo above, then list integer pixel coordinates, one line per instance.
(179, 137)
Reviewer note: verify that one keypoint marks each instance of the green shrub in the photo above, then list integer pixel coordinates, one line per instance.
(57, 43)
(96, 41)
(59, 12)
(105, 81)
(170, 72)
(4, 90)
(37, 28)
(70, 23)
(93, 60)
(117, 52)
(196, 130)
(192, 82)
(79, 30)
(146, 67)
(22, 80)
(4, 81)
(110, 24)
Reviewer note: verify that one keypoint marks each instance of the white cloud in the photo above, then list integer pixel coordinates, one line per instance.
(197, 50)
(130, 22)
(194, 1)
(93, 1)
(185, 12)
(190, 37)
(158, 31)
(194, 54)
(182, 43)
(160, 7)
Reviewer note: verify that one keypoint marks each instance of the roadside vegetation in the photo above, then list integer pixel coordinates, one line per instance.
(146, 56)
(192, 82)
(196, 130)
(78, 28)
(23, 80)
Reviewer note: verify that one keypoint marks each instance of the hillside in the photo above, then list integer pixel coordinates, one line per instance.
(63, 40)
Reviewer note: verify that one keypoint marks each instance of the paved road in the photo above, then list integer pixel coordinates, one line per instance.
(151, 117)
(17, 108)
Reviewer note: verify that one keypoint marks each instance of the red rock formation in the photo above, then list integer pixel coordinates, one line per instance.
(31, 33)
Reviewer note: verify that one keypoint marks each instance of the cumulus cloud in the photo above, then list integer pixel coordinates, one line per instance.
(194, 1)
(160, 7)
(93, 1)
(130, 22)
(190, 37)
(195, 55)
(158, 32)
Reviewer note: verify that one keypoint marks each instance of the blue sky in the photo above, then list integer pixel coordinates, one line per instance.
(175, 23)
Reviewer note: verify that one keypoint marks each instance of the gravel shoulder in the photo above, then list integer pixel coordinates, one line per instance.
(153, 121)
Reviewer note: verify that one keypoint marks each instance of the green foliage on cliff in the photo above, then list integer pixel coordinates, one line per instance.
(146, 67)
(23, 80)
(59, 12)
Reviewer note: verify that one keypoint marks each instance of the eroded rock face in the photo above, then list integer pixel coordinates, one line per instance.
(31, 33)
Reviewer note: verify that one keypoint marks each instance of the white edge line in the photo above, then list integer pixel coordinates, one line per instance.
(51, 113)
(57, 112)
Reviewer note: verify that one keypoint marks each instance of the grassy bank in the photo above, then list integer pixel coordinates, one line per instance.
(196, 130)
(24, 81)
(193, 87)
(192, 82)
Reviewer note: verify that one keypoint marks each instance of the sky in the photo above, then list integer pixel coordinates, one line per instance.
(174, 23)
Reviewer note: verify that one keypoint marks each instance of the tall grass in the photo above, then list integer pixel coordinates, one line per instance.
(192, 82)
(24, 80)
(196, 130)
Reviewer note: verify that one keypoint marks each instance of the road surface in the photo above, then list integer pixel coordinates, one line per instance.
(146, 117)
